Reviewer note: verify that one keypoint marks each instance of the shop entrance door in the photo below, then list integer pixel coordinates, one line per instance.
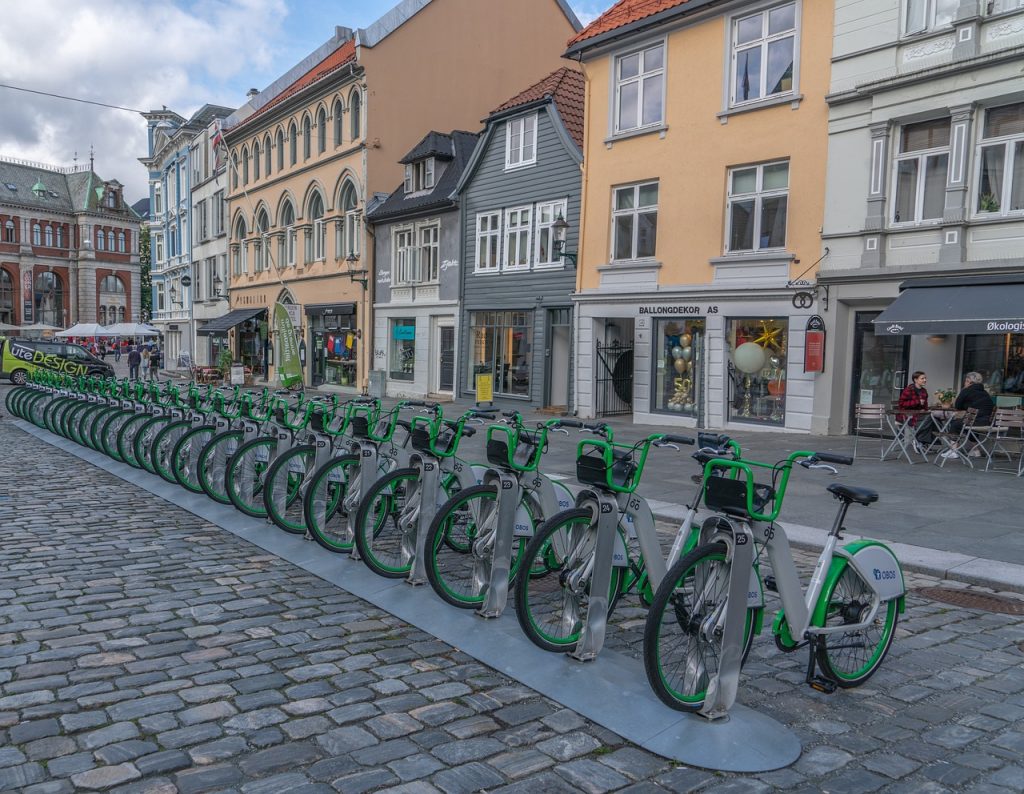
(446, 358)
(559, 344)
(879, 365)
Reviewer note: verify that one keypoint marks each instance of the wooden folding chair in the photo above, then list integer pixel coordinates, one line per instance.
(869, 418)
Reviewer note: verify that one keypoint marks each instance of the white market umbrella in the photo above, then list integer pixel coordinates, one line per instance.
(7, 327)
(132, 329)
(84, 329)
(39, 327)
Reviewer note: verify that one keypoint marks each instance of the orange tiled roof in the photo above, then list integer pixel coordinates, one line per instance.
(345, 53)
(622, 13)
(567, 86)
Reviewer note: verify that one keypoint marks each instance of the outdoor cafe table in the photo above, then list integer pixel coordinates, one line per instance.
(901, 422)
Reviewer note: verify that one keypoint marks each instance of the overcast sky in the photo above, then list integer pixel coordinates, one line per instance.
(142, 54)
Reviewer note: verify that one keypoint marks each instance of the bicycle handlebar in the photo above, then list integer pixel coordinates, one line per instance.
(832, 457)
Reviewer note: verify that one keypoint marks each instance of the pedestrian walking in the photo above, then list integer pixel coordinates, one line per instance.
(134, 361)
(117, 351)
(154, 363)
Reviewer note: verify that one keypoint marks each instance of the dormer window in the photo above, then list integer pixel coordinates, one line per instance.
(419, 175)
(521, 141)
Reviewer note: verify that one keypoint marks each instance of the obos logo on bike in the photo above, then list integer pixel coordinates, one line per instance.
(49, 361)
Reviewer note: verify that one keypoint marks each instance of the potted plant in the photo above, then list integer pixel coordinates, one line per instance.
(987, 202)
(945, 397)
(224, 362)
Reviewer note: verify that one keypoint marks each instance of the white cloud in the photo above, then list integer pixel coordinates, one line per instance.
(123, 52)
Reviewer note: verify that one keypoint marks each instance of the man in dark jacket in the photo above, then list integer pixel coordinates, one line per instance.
(134, 361)
(973, 395)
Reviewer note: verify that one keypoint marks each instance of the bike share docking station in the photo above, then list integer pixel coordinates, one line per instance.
(611, 690)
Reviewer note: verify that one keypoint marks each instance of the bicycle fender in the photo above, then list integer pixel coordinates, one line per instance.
(859, 554)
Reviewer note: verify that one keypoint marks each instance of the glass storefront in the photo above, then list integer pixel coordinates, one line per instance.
(501, 345)
(402, 356)
(252, 336)
(335, 345)
(1000, 360)
(678, 366)
(757, 348)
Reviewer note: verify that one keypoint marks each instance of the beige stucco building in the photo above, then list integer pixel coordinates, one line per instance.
(309, 151)
(703, 191)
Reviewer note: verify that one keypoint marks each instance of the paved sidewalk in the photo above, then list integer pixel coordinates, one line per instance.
(145, 650)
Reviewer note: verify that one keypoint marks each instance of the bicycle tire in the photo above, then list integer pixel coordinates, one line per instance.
(69, 421)
(36, 407)
(96, 422)
(213, 481)
(160, 454)
(187, 474)
(80, 423)
(379, 539)
(285, 467)
(12, 397)
(126, 438)
(142, 446)
(331, 531)
(453, 568)
(109, 430)
(845, 606)
(52, 411)
(694, 590)
(541, 592)
(249, 503)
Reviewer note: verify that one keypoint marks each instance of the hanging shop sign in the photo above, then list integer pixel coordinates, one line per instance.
(814, 345)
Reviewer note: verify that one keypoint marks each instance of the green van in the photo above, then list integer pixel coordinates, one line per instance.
(19, 358)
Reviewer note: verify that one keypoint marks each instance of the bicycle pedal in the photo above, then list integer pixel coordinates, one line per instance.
(769, 584)
(819, 684)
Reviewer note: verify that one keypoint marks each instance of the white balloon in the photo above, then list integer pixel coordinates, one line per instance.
(749, 357)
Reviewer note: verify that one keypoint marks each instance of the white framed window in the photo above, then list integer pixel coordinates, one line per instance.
(101, 240)
(544, 242)
(319, 239)
(488, 241)
(158, 249)
(1000, 160)
(429, 253)
(60, 237)
(921, 167)
(158, 200)
(640, 88)
(37, 234)
(49, 236)
(518, 224)
(352, 226)
(635, 221)
(419, 175)
(923, 15)
(521, 141)
(219, 208)
(404, 265)
(110, 241)
(120, 241)
(758, 205)
(764, 47)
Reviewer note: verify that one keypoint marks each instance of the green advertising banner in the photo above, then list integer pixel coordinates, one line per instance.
(288, 366)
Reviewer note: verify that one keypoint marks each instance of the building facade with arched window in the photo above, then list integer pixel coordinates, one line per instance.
(179, 160)
(341, 151)
(51, 221)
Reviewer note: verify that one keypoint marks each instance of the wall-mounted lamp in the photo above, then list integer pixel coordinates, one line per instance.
(936, 338)
(218, 288)
(173, 294)
(561, 229)
(358, 276)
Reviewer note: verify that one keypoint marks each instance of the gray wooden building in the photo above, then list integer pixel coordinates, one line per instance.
(516, 309)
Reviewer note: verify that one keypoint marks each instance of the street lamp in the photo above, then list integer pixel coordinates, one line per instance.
(561, 229)
(173, 294)
(218, 288)
(358, 276)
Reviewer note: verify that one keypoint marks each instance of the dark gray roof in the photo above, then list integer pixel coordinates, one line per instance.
(141, 208)
(398, 204)
(62, 192)
(435, 144)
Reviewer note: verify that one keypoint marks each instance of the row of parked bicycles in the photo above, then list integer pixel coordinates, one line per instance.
(387, 486)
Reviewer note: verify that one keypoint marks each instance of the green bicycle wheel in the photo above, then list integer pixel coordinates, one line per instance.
(326, 517)
(383, 545)
(683, 637)
(126, 438)
(245, 473)
(552, 591)
(185, 457)
(213, 461)
(163, 445)
(851, 657)
(460, 544)
(142, 446)
(109, 430)
(282, 488)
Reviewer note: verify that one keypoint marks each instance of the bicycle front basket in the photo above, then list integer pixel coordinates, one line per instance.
(497, 452)
(730, 496)
(592, 470)
(419, 436)
(360, 425)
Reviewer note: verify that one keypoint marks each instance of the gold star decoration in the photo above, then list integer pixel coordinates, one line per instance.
(769, 336)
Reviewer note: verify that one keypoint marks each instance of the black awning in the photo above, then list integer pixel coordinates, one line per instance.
(320, 309)
(219, 326)
(980, 305)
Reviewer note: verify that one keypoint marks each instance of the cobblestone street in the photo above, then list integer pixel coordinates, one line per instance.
(145, 650)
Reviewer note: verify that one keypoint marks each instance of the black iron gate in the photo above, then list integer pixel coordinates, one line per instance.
(614, 381)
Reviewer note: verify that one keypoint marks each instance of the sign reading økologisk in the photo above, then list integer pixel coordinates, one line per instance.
(485, 387)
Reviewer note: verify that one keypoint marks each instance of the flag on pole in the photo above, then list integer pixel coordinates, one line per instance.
(288, 366)
(218, 136)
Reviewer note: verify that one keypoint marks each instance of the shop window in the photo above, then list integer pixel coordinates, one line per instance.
(757, 369)
(6, 298)
(402, 358)
(1000, 360)
(679, 366)
(335, 348)
(501, 347)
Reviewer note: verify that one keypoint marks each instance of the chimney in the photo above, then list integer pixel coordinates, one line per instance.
(342, 34)
(251, 93)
